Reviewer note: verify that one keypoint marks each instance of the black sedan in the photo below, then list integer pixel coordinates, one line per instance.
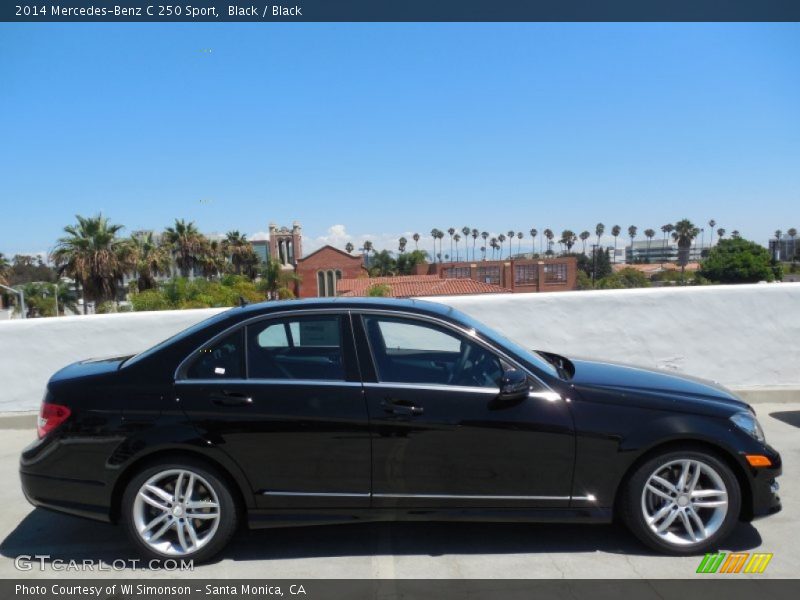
(346, 410)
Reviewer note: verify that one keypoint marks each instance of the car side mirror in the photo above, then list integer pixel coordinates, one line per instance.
(513, 385)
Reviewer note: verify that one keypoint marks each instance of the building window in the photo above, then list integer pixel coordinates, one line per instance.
(326, 282)
(489, 275)
(526, 274)
(458, 272)
(556, 273)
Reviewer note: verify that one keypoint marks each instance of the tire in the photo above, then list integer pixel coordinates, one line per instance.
(661, 517)
(161, 527)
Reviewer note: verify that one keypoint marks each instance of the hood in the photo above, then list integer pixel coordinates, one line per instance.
(657, 389)
(89, 368)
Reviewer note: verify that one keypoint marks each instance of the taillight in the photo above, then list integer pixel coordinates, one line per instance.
(50, 417)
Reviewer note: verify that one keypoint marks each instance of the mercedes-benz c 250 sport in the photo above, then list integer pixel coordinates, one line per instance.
(346, 410)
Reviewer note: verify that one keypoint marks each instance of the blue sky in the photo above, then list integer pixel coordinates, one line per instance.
(378, 130)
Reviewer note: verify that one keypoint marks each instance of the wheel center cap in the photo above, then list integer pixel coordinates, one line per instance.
(177, 511)
(683, 500)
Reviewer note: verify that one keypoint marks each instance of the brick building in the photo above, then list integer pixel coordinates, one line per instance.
(515, 275)
(409, 286)
(321, 271)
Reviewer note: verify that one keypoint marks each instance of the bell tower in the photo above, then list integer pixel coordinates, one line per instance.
(286, 245)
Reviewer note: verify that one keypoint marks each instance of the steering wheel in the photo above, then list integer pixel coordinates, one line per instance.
(461, 363)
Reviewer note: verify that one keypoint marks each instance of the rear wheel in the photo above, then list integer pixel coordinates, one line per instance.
(682, 502)
(181, 509)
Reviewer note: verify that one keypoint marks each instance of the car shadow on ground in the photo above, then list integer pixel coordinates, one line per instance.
(65, 538)
(790, 417)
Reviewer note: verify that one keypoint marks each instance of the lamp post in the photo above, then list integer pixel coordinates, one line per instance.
(21, 295)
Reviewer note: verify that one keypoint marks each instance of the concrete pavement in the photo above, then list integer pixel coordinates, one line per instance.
(405, 550)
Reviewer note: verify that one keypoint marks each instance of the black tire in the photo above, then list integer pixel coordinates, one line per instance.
(228, 511)
(631, 502)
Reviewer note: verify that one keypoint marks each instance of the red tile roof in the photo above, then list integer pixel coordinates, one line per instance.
(406, 286)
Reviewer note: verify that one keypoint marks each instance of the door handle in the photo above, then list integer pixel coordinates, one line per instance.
(400, 407)
(231, 399)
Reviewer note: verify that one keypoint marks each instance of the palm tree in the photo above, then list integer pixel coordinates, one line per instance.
(735, 234)
(792, 233)
(534, 232)
(475, 233)
(484, 237)
(712, 223)
(150, 260)
(632, 230)
(4, 268)
(466, 231)
(434, 236)
(415, 237)
(243, 258)
(457, 238)
(599, 230)
(493, 244)
(548, 233)
(186, 244)
(483, 252)
(584, 236)
(349, 247)
(721, 233)
(501, 239)
(568, 238)
(213, 258)
(402, 245)
(615, 231)
(684, 233)
(511, 235)
(274, 278)
(649, 234)
(520, 235)
(440, 235)
(778, 234)
(93, 255)
(666, 230)
(451, 231)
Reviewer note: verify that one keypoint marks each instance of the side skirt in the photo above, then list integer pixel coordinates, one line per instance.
(263, 519)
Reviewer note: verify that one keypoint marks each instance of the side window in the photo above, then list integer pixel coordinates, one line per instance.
(410, 351)
(223, 359)
(296, 348)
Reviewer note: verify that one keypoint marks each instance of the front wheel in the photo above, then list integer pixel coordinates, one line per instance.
(682, 502)
(179, 509)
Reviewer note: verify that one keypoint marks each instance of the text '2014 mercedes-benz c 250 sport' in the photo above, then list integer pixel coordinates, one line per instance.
(345, 410)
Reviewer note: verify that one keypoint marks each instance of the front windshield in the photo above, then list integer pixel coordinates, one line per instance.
(177, 337)
(497, 338)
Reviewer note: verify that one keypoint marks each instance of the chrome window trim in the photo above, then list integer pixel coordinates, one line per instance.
(433, 386)
(328, 382)
(318, 494)
(355, 312)
(254, 319)
(458, 329)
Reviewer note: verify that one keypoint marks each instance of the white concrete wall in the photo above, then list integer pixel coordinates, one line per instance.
(741, 336)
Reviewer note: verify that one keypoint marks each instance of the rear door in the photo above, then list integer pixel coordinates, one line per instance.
(282, 396)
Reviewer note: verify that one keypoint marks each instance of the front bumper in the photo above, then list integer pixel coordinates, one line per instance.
(764, 488)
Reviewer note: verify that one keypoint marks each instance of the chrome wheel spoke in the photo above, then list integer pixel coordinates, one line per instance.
(177, 523)
(684, 501)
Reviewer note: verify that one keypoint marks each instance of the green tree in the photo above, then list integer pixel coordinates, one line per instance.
(274, 279)
(349, 247)
(382, 264)
(408, 260)
(649, 234)
(244, 260)
(585, 235)
(684, 233)
(149, 259)
(737, 260)
(5, 267)
(615, 231)
(186, 244)
(93, 255)
(415, 237)
(379, 290)
(792, 233)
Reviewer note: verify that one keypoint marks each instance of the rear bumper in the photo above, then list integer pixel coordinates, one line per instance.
(75, 497)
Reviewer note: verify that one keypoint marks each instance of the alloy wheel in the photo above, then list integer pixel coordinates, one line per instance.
(684, 502)
(176, 512)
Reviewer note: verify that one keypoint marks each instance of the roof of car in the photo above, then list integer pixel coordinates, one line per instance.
(348, 302)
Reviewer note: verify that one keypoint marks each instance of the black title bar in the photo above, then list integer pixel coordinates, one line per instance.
(399, 10)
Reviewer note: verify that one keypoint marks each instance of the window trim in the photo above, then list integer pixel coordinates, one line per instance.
(180, 372)
(458, 329)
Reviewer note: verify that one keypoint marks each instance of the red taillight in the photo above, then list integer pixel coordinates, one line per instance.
(50, 417)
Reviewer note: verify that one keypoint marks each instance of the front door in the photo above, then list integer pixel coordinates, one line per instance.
(442, 436)
(282, 397)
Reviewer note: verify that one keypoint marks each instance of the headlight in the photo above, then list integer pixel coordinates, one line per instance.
(747, 422)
